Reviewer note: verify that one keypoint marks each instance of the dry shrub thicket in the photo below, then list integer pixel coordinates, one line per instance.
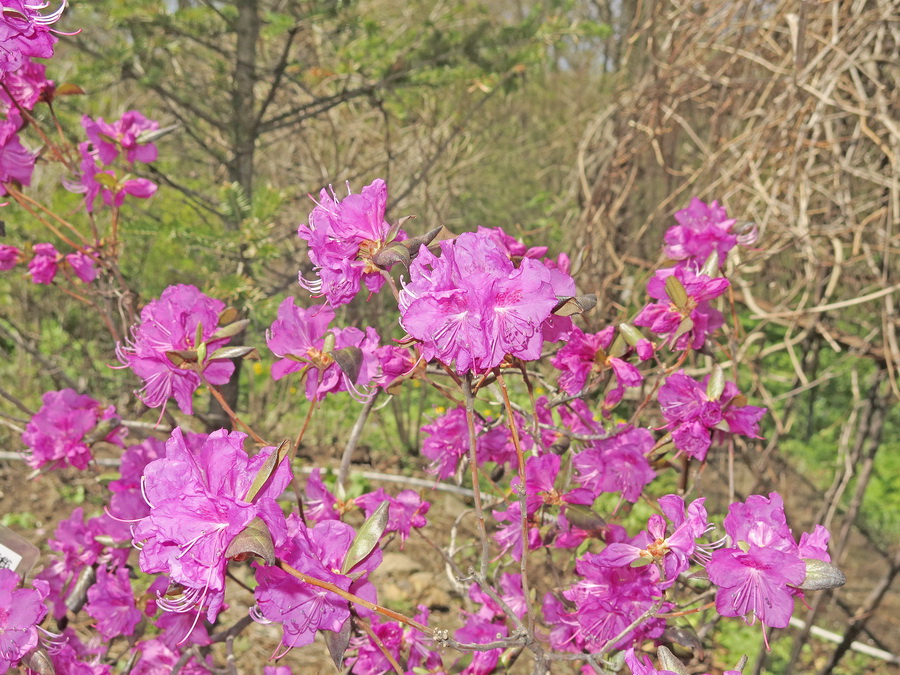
(789, 113)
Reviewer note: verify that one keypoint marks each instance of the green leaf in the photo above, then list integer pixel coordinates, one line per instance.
(711, 266)
(630, 334)
(667, 661)
(236, 352)
(676, 292)
(255, 539)
(179, 357)
(230, 330)
(686, 325)
(266, 470)
(716, 384)
(367, 537)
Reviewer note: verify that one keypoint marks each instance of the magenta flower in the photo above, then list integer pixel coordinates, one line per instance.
(92, 181)
(758, 577)
(585, 354)
(509, 537)
(406, 511)
(479, 630)
(25, 32)
(21, 609)
(671, 550)
(123, 135)
(83, 266)
(692, 414)
(156, 658)
(447, 442)
(540, 477)
(170, 324)
(472, 306)
(111, 603)
(127, 502)
(702, 229)
(514, 248)
(301, 608)
(79, 545)
(44, 264)
(609, 599)
(16, 163)
(320, 504)
(28, 85)
(9, 256)
(693, 313)
(617, 464)
(343, 236)
(56, 433)
(197, 507)
(298, 338)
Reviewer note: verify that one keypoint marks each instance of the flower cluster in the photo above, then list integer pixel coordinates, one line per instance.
(472, 306)
(759, 575)
(694, 413)
(343, 237)
(303, 609)
(21, 610)
(198, 505)
(304, 343)
(172, 324)
(59, 433)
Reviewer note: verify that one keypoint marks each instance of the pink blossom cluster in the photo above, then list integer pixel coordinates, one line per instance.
(128, 138)
(46, 262)
(25, 33)
(344, 235)
(58, 434)
(172, 324)
(472, 306)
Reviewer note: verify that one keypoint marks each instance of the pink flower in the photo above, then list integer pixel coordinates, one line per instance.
(301, 608)
(298, 337)
(693, 414)
(93, 181)
(447, 441)
(585, 354)
(156, 658)
(25, 32)
(609, 599)
(56, 433)
(197, 507)
(16, 163)
(343, 236)
(617, 463)
(758, 577)
(122, 135)
(702, 229)
(9, 256)
(21, 609)
(170, 324)
(406, 511)
(672, 551)
(28, 85)
(472, 306)
(694, 316)
(44, 264)
(111, 603)
(83, 266)
(320, 504)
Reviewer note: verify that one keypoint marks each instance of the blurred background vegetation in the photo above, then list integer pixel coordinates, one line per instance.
(581, 124)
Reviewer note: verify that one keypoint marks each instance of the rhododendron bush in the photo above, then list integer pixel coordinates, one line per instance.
(588, 424)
